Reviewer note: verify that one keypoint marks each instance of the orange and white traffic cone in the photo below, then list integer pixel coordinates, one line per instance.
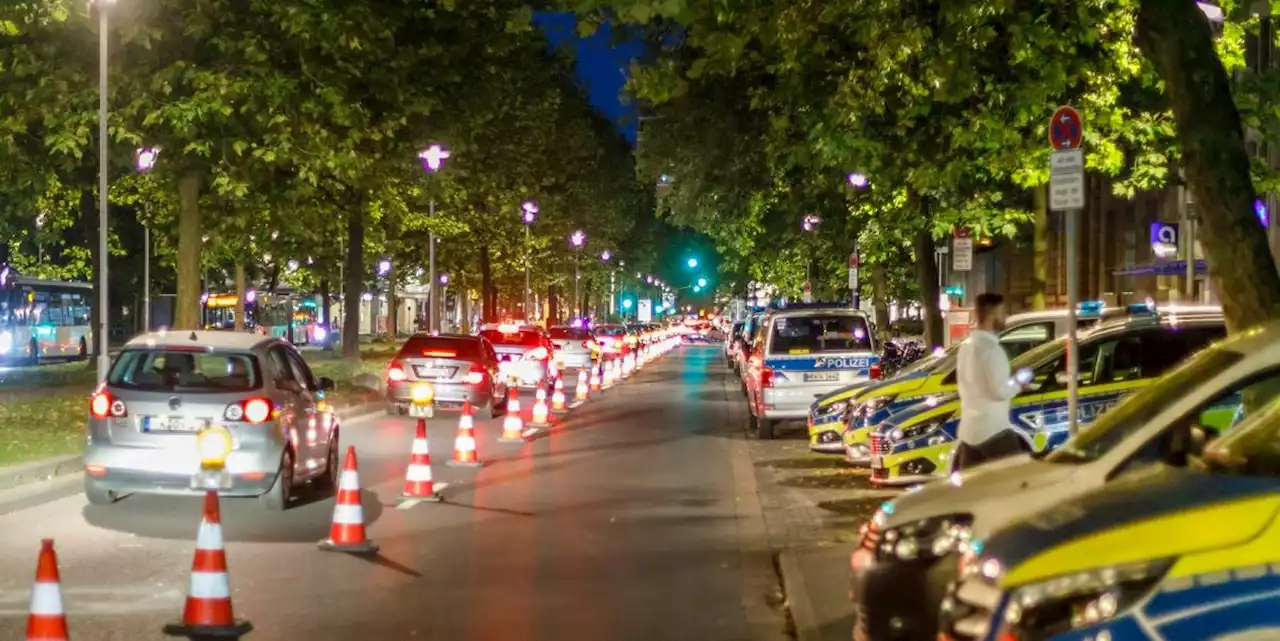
(347, 534)
(46, 621)
(617, 369)
(580, 393)
(540, 407)
(595, 380)
(207, 613)
(512, 425)
(464, 446)
(606, 377)
(418, 483)
(628, 365)
(557, 397)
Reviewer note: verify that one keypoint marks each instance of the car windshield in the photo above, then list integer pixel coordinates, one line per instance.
(936, 362)
(820, 334)
(570, 333)
(1115, 425)
(1039, 354)
(611, 330)
(523, 337)
(1252, 449)
(441, 347)
(172, 370)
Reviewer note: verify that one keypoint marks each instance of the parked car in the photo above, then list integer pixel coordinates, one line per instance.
(174, 401)
(459, 368)
(576, 347)
(524, 352)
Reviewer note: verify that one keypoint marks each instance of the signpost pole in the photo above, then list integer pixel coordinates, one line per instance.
(1073, 299)
(1066, 194)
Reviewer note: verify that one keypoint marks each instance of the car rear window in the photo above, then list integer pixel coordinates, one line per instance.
(523, 337)
(571, 333)
(819, 334)
(163, 370)
(613, 330)
(441, 347)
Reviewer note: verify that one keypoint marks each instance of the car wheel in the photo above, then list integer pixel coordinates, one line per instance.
(491, 406)
(98, 495)
(328, 482)
(84, 351)
(764, 429)
(277, 498)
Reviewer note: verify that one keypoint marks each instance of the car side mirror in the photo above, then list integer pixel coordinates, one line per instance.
(327, 384)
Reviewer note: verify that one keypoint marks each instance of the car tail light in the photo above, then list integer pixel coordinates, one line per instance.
(395, 373)
(876, 372)
(475, 376)
(589, 344)
(440, 353)
(102, 406)
(254, 410)
(538, 354)
(766, 377)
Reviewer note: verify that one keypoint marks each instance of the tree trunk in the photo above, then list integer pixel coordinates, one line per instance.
(927, 277)
(489, 302)
(354, 281)
(880, 285)
(241, 292)
(190, 243)
(1176, 38)
(89, 216)
(393, 315)
(553, 309)
(273, 283)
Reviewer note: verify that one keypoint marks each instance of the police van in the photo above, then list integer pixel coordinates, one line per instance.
(803, 352)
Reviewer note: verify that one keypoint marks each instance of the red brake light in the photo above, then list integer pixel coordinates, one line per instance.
(475, 376)
(257, 410)
(395, 373)
(538, 354)
(766, 377)
(102, 405)
(876, 372)
(440, 353)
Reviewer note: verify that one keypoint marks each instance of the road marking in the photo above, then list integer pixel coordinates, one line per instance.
(105, 601)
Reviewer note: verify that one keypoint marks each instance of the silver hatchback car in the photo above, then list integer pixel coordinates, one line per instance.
(174, 401)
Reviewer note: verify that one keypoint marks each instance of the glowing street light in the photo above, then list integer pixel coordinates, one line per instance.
(145, 160)
(811, 222)
(384, 267)
(605, 255)
(433, 158)
(577, 239)
(702, 282)
(858, 180)
(530, 210)
(693, 262)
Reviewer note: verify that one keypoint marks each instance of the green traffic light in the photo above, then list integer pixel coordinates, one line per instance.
(697, 289)
(702, 282)
(626, 304)
(693, 262)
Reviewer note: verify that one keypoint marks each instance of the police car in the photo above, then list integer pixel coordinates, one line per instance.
(915, 444)
(846, 428)
(803, 352)
(1168, 552)
(1197, 400)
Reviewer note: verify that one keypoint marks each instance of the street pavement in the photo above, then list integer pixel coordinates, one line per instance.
(634, 517)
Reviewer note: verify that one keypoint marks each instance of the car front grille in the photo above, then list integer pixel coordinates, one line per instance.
(877, 445)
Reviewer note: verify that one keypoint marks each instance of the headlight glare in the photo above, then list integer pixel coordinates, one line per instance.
(1063, 603)
(835, 408)
(928, 538)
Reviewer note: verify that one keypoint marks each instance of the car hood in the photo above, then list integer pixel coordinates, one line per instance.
(995, 484)
(926, 408)
(1153, 513)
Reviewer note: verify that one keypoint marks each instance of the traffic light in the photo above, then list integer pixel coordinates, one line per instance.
(693, 262)
(702, 282)
(697, 288)
(626, 303)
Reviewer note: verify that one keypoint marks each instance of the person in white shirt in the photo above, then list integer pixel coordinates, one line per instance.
(986, 389)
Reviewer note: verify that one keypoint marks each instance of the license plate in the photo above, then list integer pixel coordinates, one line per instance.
(421, 411)
(434, 372)
(171, 424)
(877, 462)
(821, 377)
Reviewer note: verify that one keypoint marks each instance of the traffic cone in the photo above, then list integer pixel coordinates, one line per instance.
(606, 377)
(595, 380)
(540, 407)
(628, 365)
(617, 369)
(464, 446)
(512, 425)
(207, 614)
(580, 393)
(557, 397)
(346, 534)
(418, 484)
(45, 619)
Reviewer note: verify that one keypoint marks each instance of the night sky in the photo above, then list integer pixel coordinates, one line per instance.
(601, 66)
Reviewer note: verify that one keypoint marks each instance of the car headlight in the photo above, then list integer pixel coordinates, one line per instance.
(1063, 603)
(835, 408)
(878, 403)
(932, 427)
(926, 539)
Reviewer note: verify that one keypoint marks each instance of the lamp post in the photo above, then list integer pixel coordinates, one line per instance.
(145, 161)
(530, 214)
(858, 180)
(577, 239)
(433, 158)
(104, 357)
(444, 294)
(809, 224)
(605, 257)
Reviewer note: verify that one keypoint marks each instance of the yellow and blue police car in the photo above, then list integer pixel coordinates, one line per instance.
(915, 444)
(1167, 552)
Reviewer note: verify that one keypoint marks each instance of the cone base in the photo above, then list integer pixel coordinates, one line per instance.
(432, 498)
(367, 547)
(208, 632)
(453, 463)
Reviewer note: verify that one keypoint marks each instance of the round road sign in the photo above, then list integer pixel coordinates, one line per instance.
(1066, 131)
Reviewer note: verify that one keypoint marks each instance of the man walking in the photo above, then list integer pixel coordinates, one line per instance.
(986, 389)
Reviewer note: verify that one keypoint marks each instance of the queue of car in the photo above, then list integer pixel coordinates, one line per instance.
(1158, 520)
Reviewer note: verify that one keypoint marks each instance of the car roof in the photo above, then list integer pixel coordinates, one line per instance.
(186, 338)
(456, 337)
(818, 311)
(1162, 317)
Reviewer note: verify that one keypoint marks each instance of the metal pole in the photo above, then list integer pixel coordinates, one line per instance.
(146, 278)
(1073, 299)
(431, 260)
(104, 357)
(613, 303)
(1190, 225)
(528, 314)
(573, 311)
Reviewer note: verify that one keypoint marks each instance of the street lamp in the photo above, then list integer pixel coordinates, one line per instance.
(433, 158)
(858, 180)
(693, 262)
(144, 161)
(577, 239)
(104, 357)
(384, 267)
(810, 222)
(702, 282)
(606, 256)
(530, 214)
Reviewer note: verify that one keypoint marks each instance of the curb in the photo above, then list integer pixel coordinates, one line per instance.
(43, 470)
(798, 601)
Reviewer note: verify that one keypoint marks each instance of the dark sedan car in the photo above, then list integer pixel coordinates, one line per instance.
(459, 368)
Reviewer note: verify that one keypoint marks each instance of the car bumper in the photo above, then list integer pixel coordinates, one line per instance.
(525, 374)
(147, 470)
(575, 361)
(896, 600)
(447, 395)
(914, 466)
(826, 439)
(857, 454)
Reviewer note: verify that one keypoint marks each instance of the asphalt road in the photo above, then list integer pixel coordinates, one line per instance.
(635, 517)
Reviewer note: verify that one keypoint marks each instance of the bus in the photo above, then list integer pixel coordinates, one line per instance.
(43, 319)
(282, 315)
